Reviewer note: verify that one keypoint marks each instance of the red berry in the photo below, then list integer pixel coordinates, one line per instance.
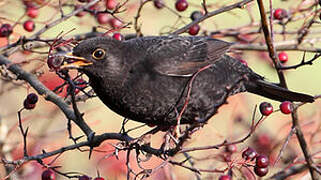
(99, 178)
(102, 18)
(111, 4)
(32, 12)
(84, 177)
(28, 105)
(29, 25)
(32, 98)
(225, 177)
(262, 161)
(249, 154)
(279, 14)
(118, 36)
(48, 175)
(54, 63)
(159, 4)
(283, 57)
(81, 13)
(232, 148)
(243, 62)
(115, 23)
(193, 30)
(266, 108)
(5, 30)
(196, 15)
(181, 5)
(286, 107)
(261, 171)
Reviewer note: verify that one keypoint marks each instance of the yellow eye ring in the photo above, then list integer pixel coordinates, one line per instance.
(99, 54)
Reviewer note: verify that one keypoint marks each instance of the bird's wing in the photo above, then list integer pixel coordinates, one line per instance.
(183, 56)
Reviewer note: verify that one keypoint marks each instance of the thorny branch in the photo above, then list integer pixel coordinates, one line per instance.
(45, 92)
(295, 121)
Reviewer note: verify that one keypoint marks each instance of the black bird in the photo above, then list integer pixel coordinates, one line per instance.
(149, 79)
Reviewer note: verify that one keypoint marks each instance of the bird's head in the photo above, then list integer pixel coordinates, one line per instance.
(96, 56)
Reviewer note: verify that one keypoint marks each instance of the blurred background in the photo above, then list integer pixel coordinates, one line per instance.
(48, 125)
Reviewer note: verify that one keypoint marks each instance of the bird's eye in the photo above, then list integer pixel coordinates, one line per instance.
(99, 54)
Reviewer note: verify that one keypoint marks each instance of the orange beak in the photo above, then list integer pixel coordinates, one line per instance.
(77, 62)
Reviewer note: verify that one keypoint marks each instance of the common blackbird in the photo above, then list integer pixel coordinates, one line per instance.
(152, 79)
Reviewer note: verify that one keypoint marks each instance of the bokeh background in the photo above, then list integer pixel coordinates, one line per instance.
(48, 124)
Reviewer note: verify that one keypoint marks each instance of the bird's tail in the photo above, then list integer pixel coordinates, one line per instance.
(273, 91)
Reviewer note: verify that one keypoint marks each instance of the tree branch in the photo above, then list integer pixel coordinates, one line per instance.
(45, 92)
(210, 14)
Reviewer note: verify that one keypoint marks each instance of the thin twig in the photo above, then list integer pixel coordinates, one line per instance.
(286, 142)
(302, 63)
(210, 14)
(24, 134)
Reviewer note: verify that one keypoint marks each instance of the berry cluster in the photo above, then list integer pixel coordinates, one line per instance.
(193, 30)
(32, 12)
(182, 5)
(103, 17)
(266, 108)
(261, 161)
(30, 101)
